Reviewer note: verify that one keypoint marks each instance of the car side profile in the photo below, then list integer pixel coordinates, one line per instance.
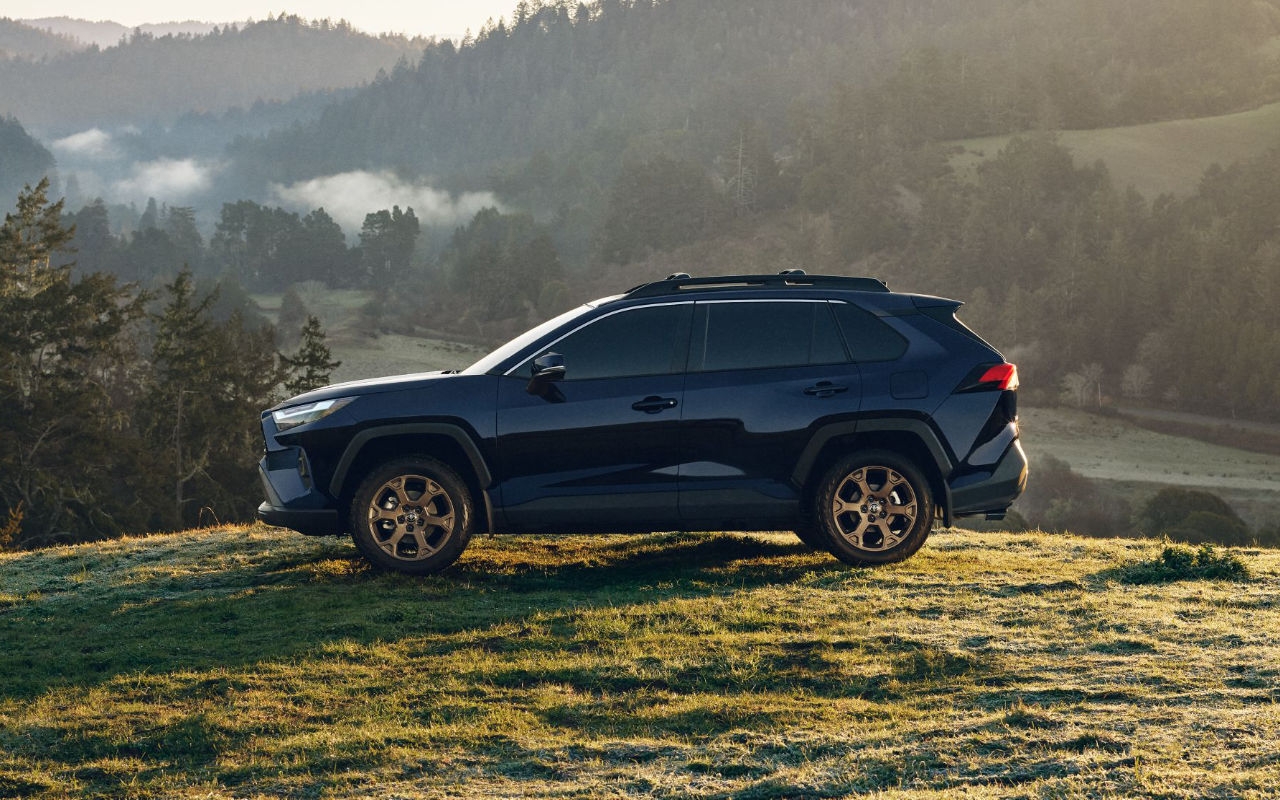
(830, 406)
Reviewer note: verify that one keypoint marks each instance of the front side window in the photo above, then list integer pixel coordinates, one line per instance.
(761, 334)
(641, 341)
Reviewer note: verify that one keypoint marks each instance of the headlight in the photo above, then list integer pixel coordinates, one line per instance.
(287, 418)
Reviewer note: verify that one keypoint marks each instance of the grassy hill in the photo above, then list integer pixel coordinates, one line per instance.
(250, 662)
(1160, 157)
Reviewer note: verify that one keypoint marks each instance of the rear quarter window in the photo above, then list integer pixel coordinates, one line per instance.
(947, 316)
(870, 339)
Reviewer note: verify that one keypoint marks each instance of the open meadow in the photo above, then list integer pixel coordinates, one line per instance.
(1156, 158)
(252, 662)
(1134, 463)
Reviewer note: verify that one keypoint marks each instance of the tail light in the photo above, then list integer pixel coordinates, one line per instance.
(991, 378)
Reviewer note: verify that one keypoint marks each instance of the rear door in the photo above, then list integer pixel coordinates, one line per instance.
(763, 376)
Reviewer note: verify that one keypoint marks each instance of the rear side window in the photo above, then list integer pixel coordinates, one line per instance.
(868, 337)
(757, 335)
(640, 341)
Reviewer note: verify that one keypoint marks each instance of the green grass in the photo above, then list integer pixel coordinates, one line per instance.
(258, 663)
(1160, 157)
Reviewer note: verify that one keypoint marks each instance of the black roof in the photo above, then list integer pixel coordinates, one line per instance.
(792, 278)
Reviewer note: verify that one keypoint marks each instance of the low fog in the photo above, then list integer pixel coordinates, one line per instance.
(121, 169)
(349, 196)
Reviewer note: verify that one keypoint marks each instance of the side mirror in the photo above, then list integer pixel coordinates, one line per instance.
(547, 368)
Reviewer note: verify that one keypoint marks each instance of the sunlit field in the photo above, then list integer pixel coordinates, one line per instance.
(253, 662)
(1159, 157)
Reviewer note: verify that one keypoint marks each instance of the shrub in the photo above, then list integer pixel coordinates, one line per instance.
(1171, 507)
(1200, 527)
(12, 527)
(1182, 563)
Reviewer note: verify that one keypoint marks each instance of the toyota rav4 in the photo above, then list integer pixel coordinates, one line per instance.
(830, 406)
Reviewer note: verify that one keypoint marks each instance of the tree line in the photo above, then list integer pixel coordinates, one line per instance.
(127, 410)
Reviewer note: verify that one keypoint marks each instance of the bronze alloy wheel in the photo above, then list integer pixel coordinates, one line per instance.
(874, 508)
(412, 515)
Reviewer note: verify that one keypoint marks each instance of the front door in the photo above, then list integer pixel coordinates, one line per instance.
(598, 450)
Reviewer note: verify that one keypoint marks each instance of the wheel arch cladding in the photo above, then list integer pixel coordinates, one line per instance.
(441, 441)
(913, 439)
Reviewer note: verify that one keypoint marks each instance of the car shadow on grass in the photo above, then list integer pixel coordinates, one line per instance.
(79, 632)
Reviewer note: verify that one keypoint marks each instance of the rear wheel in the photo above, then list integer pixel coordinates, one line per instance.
(874, 507)
(412, 515)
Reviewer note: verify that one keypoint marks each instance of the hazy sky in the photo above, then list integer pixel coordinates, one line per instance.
(441, 18)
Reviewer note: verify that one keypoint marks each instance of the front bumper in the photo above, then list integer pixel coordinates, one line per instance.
(292, 499)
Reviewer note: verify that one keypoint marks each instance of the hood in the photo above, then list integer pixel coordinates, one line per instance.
(389, 383)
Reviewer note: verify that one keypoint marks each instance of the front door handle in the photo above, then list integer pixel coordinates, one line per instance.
(825, 389)
(653, 404)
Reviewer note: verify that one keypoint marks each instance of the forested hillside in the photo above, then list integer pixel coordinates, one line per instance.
(158, 78)
(22, 40)
(615, 131)
(638, 127)
(598, 80)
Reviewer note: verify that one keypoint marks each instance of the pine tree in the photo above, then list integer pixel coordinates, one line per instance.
(293, 316)
(310, 367)
(209, 383)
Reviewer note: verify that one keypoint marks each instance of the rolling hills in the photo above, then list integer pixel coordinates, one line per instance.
(250, 662)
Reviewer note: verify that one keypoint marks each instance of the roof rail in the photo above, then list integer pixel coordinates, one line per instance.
(789, 278)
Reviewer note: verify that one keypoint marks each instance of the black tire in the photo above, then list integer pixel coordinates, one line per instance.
(412, 515)
(873, 507)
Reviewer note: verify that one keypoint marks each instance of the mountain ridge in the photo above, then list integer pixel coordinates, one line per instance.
(108, 33)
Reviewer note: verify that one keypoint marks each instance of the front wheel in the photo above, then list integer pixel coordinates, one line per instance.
(412, 515)
(874, 507)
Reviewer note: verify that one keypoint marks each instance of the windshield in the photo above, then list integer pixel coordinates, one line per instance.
(489, 362)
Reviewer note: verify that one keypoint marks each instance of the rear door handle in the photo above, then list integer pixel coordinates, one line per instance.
(825, 389)
(653, 404)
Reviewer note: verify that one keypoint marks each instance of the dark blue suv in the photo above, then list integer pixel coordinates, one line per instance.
(830, 406)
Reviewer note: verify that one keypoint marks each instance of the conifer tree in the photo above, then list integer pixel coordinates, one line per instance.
(311, 366)
(208, 385)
